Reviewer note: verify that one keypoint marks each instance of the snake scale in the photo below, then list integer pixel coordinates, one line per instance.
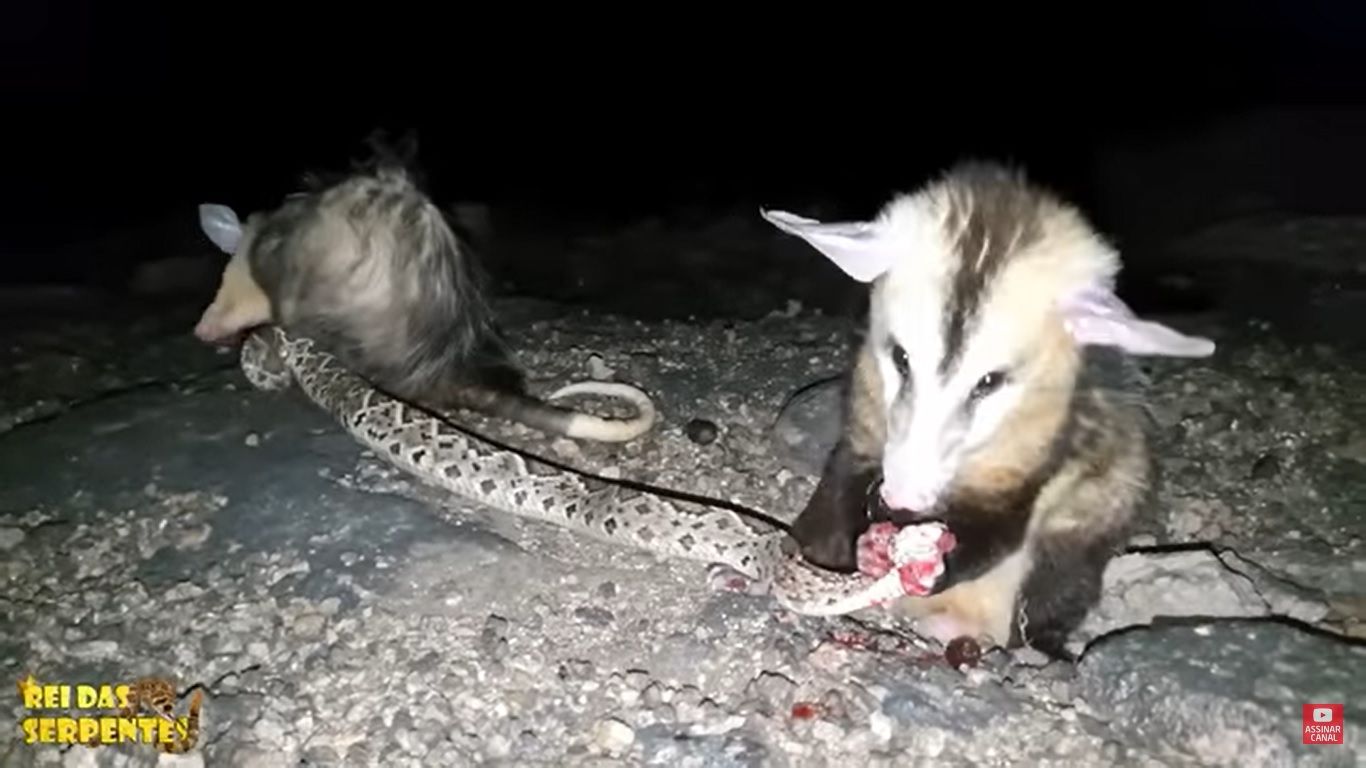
(436, 452)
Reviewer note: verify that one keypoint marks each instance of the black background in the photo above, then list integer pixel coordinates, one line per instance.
(118, 113)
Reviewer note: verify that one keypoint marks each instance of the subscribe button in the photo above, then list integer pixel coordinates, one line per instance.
(1323, 724)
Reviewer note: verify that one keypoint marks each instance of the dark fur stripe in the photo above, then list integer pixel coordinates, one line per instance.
(994, 215)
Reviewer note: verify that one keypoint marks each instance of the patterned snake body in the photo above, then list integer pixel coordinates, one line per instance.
(438, 453)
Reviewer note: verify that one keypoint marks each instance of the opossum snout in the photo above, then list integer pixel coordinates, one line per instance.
(212, 329)
(206, 332)
(226, 320)
(913, 502)
(883, 507)
(905, 501)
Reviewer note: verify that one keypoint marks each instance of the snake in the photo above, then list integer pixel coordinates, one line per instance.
(436, 451)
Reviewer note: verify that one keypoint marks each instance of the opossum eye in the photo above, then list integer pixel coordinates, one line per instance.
(988, 384)
(900, 361)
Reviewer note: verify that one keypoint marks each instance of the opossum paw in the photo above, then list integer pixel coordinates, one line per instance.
(874, 550)
(943, 628)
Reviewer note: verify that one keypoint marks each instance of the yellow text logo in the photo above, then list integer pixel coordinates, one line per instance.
(51, 722)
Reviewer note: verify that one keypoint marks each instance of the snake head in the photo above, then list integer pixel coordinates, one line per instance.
(263, 362)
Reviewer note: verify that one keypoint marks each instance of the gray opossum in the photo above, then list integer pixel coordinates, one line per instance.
(373, 271)
(979, 398)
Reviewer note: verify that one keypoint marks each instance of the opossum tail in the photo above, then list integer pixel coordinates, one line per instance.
(548, 417)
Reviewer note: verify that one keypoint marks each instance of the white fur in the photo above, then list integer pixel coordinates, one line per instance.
(924, 442)
(221, 225)
(239, 302)
(854, 247)
(907, 254)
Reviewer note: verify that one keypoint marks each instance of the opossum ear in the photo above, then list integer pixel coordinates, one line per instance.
(856, 247)
(220, 223)
(1095, 315)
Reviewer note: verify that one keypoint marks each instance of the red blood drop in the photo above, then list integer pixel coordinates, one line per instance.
(803, 710)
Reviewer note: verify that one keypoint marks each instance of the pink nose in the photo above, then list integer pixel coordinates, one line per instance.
(211, 333)
(916, 500)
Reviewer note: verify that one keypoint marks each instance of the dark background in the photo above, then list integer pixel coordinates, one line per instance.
(1158, 119)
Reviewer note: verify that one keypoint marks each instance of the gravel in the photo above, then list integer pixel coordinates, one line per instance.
(159, 516)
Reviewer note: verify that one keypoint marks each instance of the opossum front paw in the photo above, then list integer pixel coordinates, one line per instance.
(944, 628)
(874, 549)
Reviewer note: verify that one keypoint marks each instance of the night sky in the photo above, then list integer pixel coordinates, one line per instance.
(114, 115)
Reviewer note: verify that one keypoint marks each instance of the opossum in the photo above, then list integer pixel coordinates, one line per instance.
(979, 397)
(373, 271)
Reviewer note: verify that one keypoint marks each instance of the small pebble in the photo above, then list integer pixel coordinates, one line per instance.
(252, 440)
(636, 680)
(828, 732)
(268, 730)
(310, 625)
(772, 688)
(1266, 467)
(498, 746)
(962, 651)
(321, 755)
(495, 626)
(598, 369)
(566, 448)
(653, 695)
(881, 725)
(613, 736)
(595, 616)
(10, 538)
(576, 669)
(702, 431)
(834, 705)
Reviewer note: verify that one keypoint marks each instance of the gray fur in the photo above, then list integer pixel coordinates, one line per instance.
(403, 305)
(366, 266)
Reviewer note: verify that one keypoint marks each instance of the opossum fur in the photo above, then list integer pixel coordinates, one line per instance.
(989, 392)
(374, 272)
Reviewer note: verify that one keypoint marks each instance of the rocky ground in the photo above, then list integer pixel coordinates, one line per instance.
(160, 517)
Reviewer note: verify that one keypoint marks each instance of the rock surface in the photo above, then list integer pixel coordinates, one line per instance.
(1226, 693)
(158, 516)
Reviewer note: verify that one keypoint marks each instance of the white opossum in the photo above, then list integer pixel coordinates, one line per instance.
(371, 269)
(979, 398)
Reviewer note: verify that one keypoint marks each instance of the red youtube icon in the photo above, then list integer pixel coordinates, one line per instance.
(1323, 724)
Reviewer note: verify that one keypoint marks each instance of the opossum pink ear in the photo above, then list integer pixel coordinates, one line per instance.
(1096, 315)
(856, 247)
(220, 223)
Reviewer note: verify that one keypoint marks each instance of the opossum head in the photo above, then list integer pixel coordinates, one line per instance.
(984, 289)
(240, 304)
